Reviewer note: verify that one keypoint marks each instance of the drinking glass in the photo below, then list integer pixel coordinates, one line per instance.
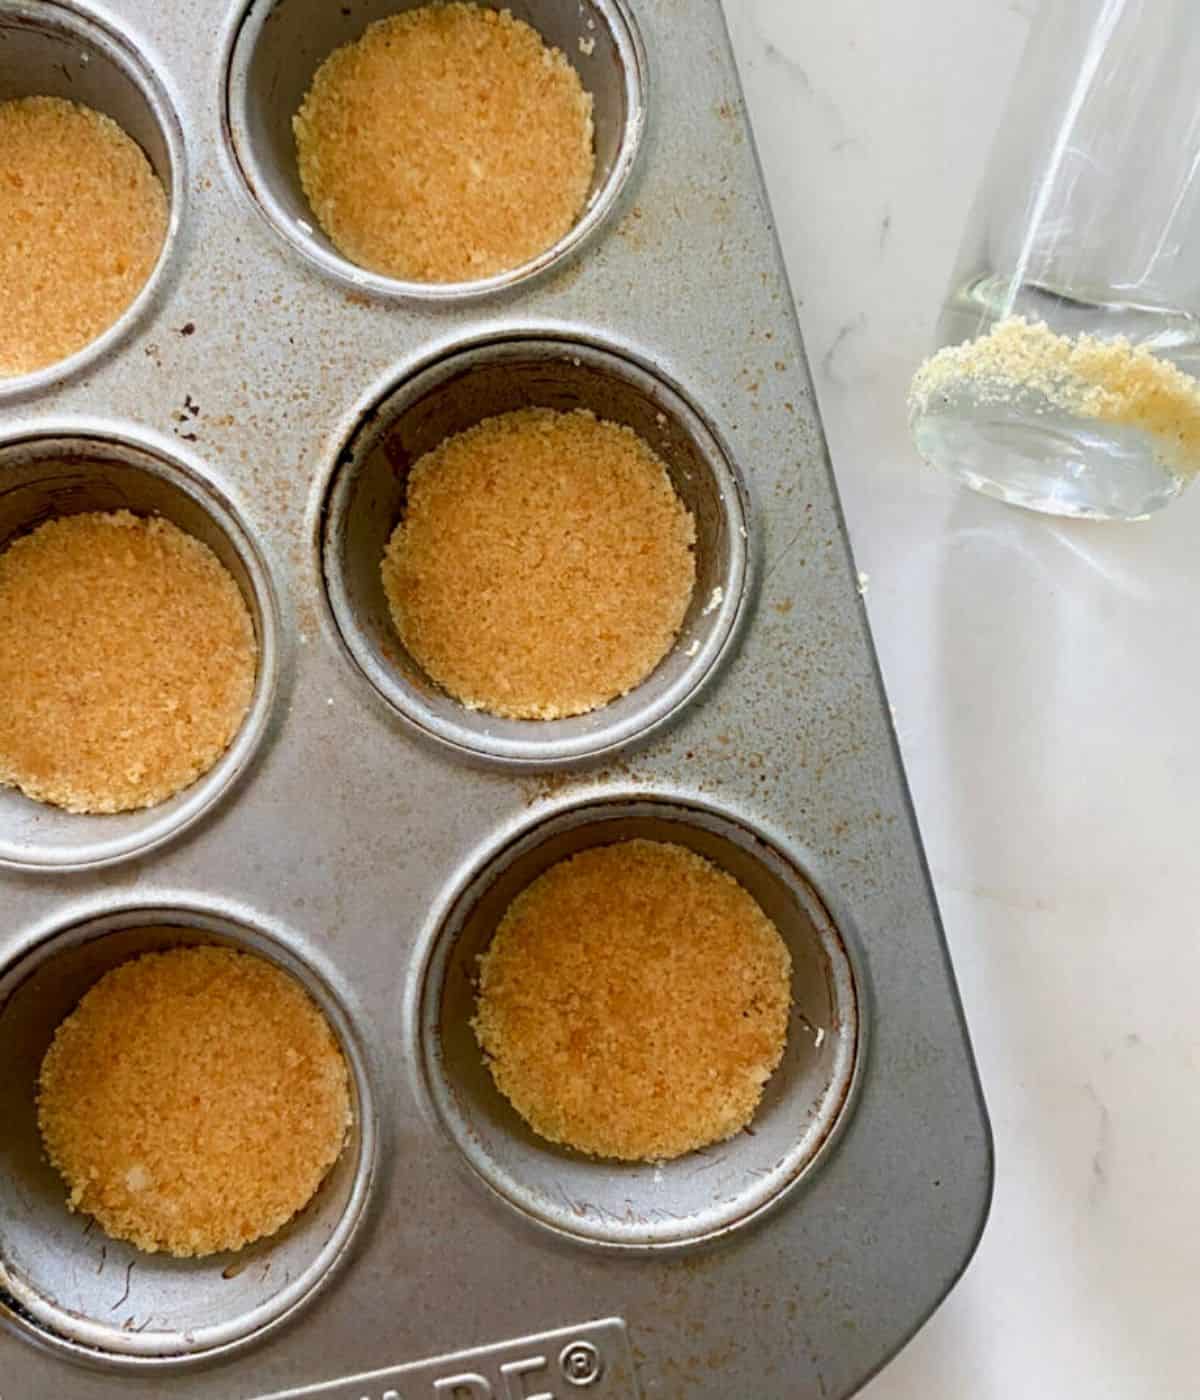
(1087, 224)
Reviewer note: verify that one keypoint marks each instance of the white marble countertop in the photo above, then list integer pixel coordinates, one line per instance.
(1045, 678)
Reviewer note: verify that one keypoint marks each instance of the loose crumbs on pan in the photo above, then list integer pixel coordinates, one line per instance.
(127, 661)
(544, 563)
(447, 144)
(634, 1002)
(194, 1100)
(82, 222)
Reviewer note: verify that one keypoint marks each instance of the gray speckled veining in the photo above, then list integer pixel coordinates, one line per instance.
(348, 835)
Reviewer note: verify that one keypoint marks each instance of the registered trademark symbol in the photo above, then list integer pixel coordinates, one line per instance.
(580, 1363)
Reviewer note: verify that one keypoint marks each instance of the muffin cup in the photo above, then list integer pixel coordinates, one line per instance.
(62, 1280)
(51, 49)
(275, 48)
(704, 1195)
(366, 499)
(52, 473)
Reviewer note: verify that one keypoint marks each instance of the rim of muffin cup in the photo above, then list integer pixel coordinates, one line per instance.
(217, 1304)
(703, 1196)
(72, 467)
(362, 500)
(264, 165)
(114, 78)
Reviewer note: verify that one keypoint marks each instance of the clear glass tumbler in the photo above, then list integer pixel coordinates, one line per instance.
(1068, 378)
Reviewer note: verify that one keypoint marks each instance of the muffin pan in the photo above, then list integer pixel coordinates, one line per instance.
(369, 832)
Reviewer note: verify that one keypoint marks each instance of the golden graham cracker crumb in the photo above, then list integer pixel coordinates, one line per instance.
(127, 661)
(544, 564)
(1112, 381)
(194, 1100)
(634, 1002)
(82, 223)
(448, 143)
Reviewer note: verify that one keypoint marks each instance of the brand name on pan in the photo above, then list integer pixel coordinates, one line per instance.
(590, 1361)
(535, 1377)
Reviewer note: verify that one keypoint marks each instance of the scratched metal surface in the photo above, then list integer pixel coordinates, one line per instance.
(347, 833)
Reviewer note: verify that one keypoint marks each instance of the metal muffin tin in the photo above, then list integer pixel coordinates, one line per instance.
(366, 832)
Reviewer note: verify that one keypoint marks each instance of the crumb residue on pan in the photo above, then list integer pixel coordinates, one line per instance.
(194, 1100)
(543, 566)
(447, 144)
(127, 661)
(634, 1002)
(82, 222)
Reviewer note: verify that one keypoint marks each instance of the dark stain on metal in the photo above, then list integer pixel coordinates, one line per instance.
(128, 1285)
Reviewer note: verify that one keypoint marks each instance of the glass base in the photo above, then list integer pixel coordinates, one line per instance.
(1029, 454)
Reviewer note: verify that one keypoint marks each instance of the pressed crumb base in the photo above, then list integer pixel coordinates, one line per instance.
(127, 661)
(82, 222)
(447, 144)
(194, 1100)
(634, 1002)
(544, 564)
